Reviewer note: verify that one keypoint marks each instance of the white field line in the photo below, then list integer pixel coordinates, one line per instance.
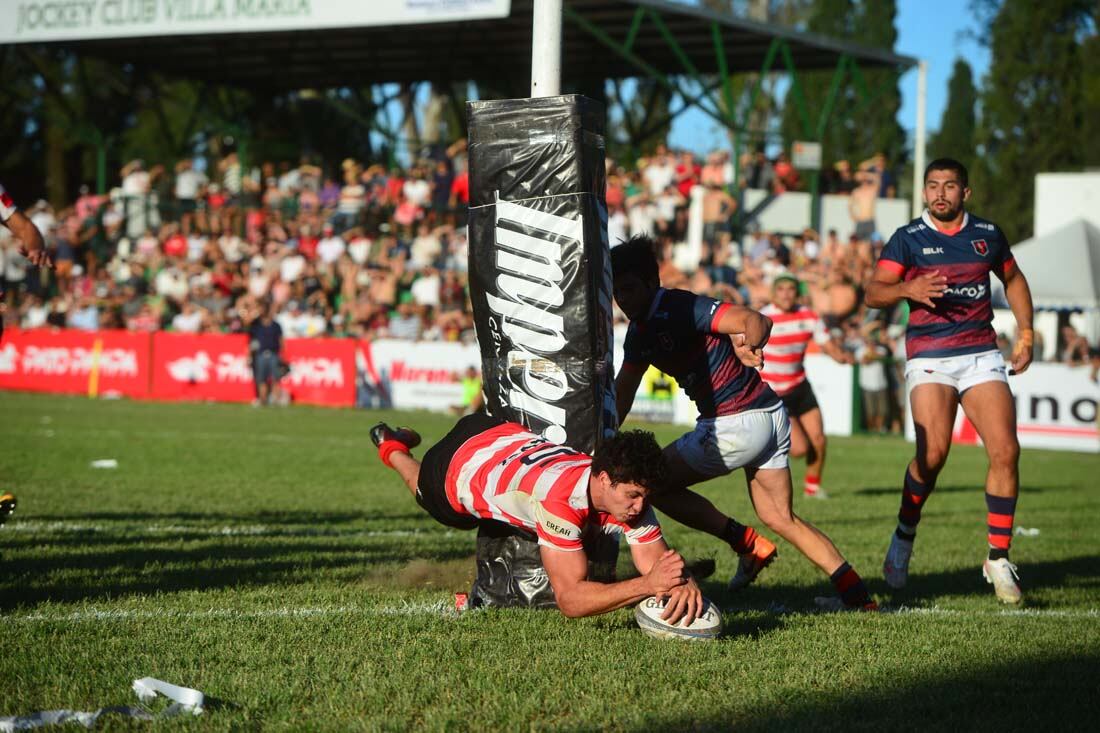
(241, 530)
(441, 608)
(424, 608)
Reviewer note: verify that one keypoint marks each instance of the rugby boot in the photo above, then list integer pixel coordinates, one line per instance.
(7, 505)
(382, 432)
(835, 604)
(1004, 578)
(750, 564)
(896, 566)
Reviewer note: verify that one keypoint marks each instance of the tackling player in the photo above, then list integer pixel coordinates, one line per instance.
(793, 325)
(489, 469)
(941, 264)
(741, 424)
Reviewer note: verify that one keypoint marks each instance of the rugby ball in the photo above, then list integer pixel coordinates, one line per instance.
(704, 628)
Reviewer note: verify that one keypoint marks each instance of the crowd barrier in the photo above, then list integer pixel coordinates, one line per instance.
(1056, 405)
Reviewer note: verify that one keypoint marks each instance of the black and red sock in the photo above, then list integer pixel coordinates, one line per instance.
(738, 536)
(914, 494)
(850, 587)
(1002, 511)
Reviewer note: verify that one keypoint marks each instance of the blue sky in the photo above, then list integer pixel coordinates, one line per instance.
(933, 30)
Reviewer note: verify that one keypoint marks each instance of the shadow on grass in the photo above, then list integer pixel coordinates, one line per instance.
(1058, 693)
(922, 589)
(165, 567)
(318, 519)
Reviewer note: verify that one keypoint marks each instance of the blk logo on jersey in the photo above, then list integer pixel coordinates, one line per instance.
(980, 246)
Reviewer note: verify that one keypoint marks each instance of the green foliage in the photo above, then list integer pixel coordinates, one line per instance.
(864, 118)
(956, 136)
(267, 558)
(1034, 103)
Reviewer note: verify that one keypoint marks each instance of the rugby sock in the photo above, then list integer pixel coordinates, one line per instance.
(913, 496)
(850, 586)
(738, 536)
(1002, 510)
(812, 484)
(388, 448)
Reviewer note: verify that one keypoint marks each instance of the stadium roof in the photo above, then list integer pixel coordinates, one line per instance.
(485, 50)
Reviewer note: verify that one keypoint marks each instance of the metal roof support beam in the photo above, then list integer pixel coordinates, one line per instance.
(641, 65)
(635, 26)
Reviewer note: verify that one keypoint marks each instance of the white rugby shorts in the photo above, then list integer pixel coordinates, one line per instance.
(755, 438)
(959, 372)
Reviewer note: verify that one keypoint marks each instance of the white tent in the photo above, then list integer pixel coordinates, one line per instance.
(1063, 266)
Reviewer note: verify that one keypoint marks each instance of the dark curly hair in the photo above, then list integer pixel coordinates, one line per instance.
(636, 256)
(634, 457)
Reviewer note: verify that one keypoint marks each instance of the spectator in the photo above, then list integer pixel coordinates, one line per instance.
(1074, 348)
(872, 356)
(266, 346)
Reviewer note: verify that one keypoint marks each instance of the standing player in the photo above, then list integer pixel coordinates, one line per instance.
(489, 469)
(741, 424)
(941, 263)
(793, 326)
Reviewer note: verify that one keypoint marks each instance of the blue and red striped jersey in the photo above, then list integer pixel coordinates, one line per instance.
(961, 321)
(679, 337)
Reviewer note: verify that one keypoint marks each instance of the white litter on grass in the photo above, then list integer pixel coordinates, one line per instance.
(104, 463)
(421, 608)
(184, 701)
(239, 530)
(1027, 531)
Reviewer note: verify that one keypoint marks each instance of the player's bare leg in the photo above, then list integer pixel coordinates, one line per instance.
(770, 492)
(990, 408)
(696, 511)
(934, 407)
(408, 468)
(808, 439)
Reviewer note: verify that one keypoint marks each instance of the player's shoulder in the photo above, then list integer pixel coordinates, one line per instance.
(914, 227)
(978, 224)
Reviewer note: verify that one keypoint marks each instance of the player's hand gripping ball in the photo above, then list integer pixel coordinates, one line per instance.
(704, 628)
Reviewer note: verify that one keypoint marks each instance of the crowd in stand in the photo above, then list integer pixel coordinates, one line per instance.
(367, 250)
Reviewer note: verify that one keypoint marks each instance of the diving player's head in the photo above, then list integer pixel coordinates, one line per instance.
(635, 272)
(946, 188)
(626, 470)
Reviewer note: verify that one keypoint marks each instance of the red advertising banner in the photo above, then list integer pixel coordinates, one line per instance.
(322, 371)
(201, 367)
(75, 362)
(218, 367)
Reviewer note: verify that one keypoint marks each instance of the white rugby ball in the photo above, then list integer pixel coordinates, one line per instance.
(704, 628)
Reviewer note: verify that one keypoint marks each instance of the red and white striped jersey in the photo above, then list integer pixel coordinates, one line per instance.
(786, 349)
(7, 206)
(512, 475)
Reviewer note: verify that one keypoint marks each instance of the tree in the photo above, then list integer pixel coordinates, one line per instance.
(835, 19)
(1033, 105)
(956, 136)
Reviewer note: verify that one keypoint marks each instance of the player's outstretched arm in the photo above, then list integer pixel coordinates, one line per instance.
(685, 601)
(1018, 294)
(578, 597)
(886, 288)
(626, 386)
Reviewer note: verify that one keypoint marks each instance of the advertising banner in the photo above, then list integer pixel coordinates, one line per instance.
(322, 371)
(201, 367)
(75, 362)
(26, 21)
(1056, 408)
(540, 274)
(425, 375)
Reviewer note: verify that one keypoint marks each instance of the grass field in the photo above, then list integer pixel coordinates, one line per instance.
(267, 558)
